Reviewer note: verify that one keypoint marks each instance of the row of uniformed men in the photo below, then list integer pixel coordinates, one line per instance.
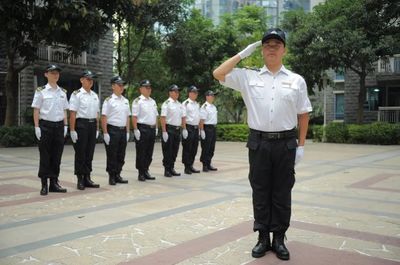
(188, 120)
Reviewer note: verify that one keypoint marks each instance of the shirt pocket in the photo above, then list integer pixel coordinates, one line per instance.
(256, 89)
(48, 101)
(287, 92)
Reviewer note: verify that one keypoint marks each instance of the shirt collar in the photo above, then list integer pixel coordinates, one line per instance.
(173, 100)
(116, 97)
(49, 87)
(84, 91)
(265, 69)
(143, 97)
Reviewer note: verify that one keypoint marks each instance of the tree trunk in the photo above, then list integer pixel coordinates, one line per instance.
(361, 97)
(11, 85)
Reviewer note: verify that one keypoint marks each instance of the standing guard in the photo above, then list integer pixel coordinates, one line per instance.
(84, 128)
(115, 124)
(208, 133)
(50, 119)
(191, 143)
(172, 119)
(145, 128)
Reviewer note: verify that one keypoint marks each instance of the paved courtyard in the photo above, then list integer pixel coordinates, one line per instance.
(346, 211)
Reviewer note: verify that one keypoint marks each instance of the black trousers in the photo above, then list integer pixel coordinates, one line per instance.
(171, 147)
(145, 147)
(116, 149)
(85, 145)
(208, 144)
(190, 145)
(51, 147)
(272, 177)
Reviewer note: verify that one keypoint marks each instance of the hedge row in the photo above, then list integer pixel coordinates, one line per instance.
(375, 133)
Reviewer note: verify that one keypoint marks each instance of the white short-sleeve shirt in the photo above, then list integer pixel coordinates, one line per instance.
(50, 102)
(117, 110)
(192, 109)
(209, 113)
(86, 104)
(173, 111)
(145, 109)
(273, 101)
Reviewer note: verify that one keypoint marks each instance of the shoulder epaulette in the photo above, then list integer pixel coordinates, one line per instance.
(186, 102)
(107, 98)
(39, 88)
(76, 91)
(204, 105)
(166, 102)
(136, 99)
(253, 68)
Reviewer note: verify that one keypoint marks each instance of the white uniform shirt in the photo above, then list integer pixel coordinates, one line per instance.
(173, 111)
(50, 102)
(116, 109)
(145, 109)
(192, 109)
(86, 104)
(272, 101)
(209, 113)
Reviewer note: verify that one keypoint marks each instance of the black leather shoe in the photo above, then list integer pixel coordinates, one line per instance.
(55, 187)
(205, 168)
(263, 245)
(278, 246)
(88, 182)
(111, 179)
(188, 171)
(79, 184)
(141, 177)
(194, 170)
(167, 173)
(174, 173)
(119, 179)
(45, 188)
(148, 176)
(210, 167)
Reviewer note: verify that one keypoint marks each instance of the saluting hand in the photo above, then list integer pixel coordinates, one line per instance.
(249, 49)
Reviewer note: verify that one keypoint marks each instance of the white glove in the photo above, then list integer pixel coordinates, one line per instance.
(38, 133)
(106, 138)
(156, 131)
(185, 134)
(65, 130)
(97, 134)
(127, 136)
(249, 49)
(74, 136)
(202, 134)
(136, 132)
(165, 137)
(299, 154)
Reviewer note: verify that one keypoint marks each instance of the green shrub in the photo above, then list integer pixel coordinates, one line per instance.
(17, 136)
(232, 132)
(317, 133)
(336, 132)
(382, 133)
(356, 133)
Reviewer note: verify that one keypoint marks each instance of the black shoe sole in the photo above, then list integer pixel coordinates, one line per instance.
(258, 255)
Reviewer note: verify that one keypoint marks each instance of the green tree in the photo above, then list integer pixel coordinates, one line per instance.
(27, 24)
(343, 34)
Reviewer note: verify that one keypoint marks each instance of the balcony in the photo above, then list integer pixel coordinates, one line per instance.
(60, 54)
(389, 114)
(389, 65)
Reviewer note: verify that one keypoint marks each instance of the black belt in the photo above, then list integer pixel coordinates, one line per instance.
(86, 120)
(52, 123)
(274, 135)
(192, 126)
(173, 127)
(116, 127)
(146, 126)
(210, 125)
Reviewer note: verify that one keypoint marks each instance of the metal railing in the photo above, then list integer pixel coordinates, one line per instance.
(389, 114)
(389, 65)
(60, 54)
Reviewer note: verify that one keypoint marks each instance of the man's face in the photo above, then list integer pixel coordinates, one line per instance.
(210, 99)
(52, 76)
(87, 83)
(193, 95)
(273, 50)
(174, 94)
(145, 91)
(118, 89)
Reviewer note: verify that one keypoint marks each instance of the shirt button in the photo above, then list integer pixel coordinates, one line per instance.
(272, 98)
(273, 87)
(272, 110)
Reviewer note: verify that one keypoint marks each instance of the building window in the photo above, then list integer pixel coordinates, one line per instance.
(372, 98)
(339, 106)
(93, 48)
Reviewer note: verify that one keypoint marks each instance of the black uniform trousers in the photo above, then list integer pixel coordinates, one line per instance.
(272, 177)
(116, 149)
(171, 147)
(51, 147)
(85, 145)
(145, 147)
(190, 145)
(208, 144)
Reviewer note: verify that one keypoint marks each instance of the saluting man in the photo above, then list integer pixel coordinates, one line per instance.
(50, 118)
(84, 128)
(277, 102)
(208, 130)
(115, 124)
(144, 122)
(191, 143)
(172, 119)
